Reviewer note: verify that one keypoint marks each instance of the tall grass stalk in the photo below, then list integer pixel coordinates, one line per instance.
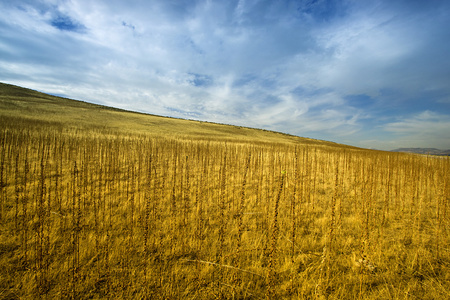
(271, 293)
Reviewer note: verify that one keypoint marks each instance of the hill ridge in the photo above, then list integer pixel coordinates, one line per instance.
(35, 106)
(432, 151)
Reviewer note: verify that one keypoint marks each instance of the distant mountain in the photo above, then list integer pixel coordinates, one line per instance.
(432, 151)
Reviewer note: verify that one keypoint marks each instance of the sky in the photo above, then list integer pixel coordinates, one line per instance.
(372, 74)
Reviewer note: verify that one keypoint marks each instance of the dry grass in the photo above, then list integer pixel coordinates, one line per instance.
(115, 214)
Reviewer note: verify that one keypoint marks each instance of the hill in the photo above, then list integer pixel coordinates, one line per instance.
(429, 151)
(19, 105)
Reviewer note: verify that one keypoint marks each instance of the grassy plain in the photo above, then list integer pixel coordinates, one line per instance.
(98, 203)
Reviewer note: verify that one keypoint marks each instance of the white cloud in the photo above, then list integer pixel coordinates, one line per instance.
(424, 123)
(426, 129)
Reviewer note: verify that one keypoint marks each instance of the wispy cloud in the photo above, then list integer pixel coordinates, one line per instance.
(357, 72)
(423, 128)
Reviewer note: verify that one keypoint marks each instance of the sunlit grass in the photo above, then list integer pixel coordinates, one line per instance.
(126, 212)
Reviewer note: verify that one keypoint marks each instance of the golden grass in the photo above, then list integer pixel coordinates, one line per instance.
(110, 213)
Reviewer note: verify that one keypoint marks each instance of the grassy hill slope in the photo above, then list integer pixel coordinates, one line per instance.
(21, 105)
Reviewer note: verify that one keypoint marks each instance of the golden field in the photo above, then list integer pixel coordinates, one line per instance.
(99, 203)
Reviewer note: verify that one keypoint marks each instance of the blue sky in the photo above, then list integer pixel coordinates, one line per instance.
(374, 74)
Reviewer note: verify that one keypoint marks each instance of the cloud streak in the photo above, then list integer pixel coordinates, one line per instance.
(355, 72)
